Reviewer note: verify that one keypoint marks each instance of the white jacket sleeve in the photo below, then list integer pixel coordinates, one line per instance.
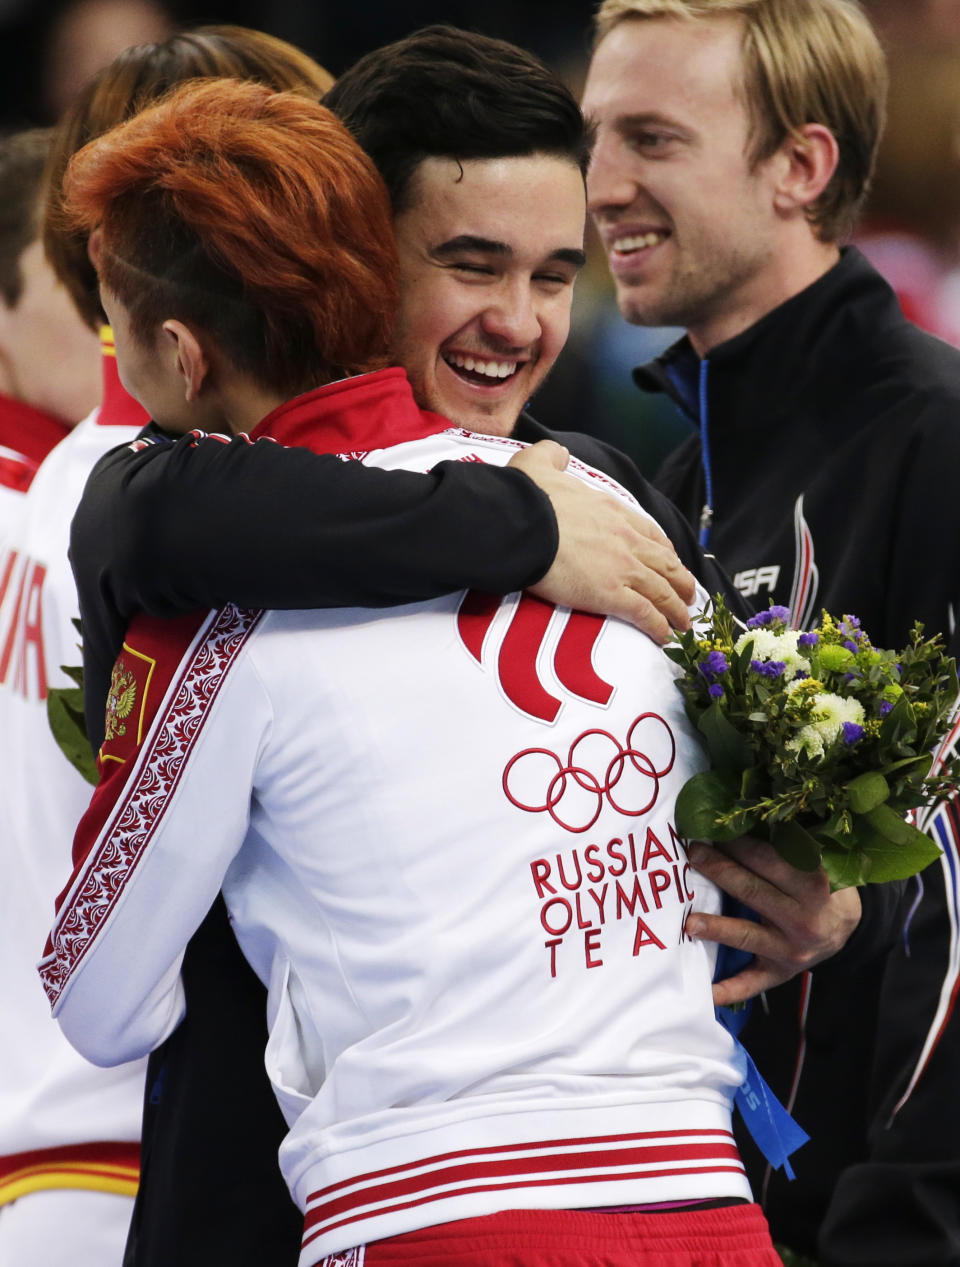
(168, 817)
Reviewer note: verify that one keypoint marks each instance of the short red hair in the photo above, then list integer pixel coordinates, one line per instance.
(252, 214)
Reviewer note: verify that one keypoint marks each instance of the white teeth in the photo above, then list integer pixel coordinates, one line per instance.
(638, 242)
(490, 369)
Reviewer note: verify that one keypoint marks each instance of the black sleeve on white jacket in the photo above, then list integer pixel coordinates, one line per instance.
(182, 525)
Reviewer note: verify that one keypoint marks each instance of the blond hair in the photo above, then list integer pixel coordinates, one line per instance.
(804, 61)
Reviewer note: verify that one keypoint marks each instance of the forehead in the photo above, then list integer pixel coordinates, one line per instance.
(690, 70)
(535, 205)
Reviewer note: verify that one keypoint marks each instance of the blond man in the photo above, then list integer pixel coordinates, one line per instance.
(735, 144)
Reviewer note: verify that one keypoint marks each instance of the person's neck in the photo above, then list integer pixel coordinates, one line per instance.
(242, 406)
(789, 272)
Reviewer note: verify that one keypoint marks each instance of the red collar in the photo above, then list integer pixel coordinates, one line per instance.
(353, 415)
(28, 432)
(117, 409)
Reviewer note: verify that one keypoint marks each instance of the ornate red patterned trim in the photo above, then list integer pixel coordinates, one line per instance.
(118, 848)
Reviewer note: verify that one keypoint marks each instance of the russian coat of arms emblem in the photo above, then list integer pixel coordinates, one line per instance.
(120, 701)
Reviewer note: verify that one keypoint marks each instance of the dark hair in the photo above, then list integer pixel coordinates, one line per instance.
(22, 159)
(447, 93)
(255, 215)
(138, 76)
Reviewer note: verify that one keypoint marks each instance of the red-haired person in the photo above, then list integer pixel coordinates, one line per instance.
(488, 1033)
(70, 1132)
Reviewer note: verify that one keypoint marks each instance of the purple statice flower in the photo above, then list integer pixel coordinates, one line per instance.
(850, 621)
(808, 640)
(768, 668)
(762, 619)
(885, 707)
(849, 677)
(852, 733)
(716, 690)
(715, 664)
(851, 646)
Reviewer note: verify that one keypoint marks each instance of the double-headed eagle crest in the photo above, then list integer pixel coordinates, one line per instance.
(120, 701)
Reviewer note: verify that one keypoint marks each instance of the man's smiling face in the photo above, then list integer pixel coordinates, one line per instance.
(688, 222)
(489, 251)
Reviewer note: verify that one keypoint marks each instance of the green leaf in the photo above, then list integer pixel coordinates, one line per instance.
(892, 825)
(921, 765)
(66, 718)
(692, 709)
(845, 869)
(74, 672)
(900, 724)
(752, 783)
(727, 747)
(867, 791)
(896, 849)
(701, 799)
(795, 845)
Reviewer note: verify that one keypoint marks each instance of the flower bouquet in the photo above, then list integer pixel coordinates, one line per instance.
(819, 742)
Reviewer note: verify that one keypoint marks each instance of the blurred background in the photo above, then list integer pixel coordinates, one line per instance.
(911, 229)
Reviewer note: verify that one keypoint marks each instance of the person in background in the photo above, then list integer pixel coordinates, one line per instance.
(350, 769)
(68, 1131)
(735, 142)
(71, 1131)
(86, 35)
(910, 229)
(915, 23)
(49, 362)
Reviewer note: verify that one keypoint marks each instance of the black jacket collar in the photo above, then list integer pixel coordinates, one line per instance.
(806, 346)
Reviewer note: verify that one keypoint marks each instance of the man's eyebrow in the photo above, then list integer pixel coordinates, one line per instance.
(569, 255)
(647, 119)
(469, 242)
(489, 246)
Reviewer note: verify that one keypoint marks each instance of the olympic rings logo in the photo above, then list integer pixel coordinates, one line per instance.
(574, 784)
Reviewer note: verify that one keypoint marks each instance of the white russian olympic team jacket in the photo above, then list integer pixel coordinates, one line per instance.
(63, 1122)
(445, 837)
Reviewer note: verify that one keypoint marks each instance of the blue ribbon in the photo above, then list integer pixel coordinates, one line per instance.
(772, 1128)
(774, 1131)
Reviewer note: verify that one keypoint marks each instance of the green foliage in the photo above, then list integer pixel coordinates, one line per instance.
(67, 721)
(820, 743)
(791, 1259)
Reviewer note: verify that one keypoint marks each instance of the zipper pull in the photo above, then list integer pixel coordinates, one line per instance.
(706, 522)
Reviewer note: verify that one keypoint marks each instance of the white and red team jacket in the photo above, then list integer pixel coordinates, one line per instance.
(445, 836)
(63, 1122)
(26, 437)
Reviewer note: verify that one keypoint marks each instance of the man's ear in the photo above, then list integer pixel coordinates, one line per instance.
(807, 162)
(193, 364)
(95, 248)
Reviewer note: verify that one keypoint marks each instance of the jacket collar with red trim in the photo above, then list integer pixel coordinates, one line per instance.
(29, 432)
(370, 411)
(117, 409)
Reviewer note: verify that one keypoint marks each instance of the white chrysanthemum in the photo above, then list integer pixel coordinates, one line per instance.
(827, 717)
(776, 646)
(808, 740)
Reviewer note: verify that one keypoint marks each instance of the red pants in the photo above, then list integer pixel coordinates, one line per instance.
(734, 1236)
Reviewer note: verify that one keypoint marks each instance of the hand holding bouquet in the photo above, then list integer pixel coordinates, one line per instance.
(819, 742)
